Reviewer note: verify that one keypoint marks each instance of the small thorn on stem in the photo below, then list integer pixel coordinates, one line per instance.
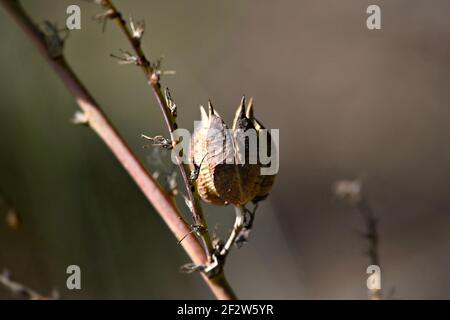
(104, 17)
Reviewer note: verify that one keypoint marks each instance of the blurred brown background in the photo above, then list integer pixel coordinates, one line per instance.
(349, 102)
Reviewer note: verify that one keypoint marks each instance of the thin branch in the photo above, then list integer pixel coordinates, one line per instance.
(21, 289)
(152, 75)
(98, 121)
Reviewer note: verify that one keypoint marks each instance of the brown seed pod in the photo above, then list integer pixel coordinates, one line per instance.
(224, 177)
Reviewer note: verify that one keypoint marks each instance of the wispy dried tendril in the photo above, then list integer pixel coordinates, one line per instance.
(55, 38)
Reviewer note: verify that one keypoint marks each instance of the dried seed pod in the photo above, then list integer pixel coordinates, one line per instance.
(225, 177)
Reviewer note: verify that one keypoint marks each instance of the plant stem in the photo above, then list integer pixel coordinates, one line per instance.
(372, 236)
(98, 121)
(153, 79)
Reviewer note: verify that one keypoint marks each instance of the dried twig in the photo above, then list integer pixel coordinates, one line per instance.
(152, 75)
(97, 120)
(371, 235)
(351, 191)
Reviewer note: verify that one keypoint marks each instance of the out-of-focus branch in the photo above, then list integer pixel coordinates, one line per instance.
(152, 75)
(351, 192)
(21, 289)
(97, 120)
(12, 217)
